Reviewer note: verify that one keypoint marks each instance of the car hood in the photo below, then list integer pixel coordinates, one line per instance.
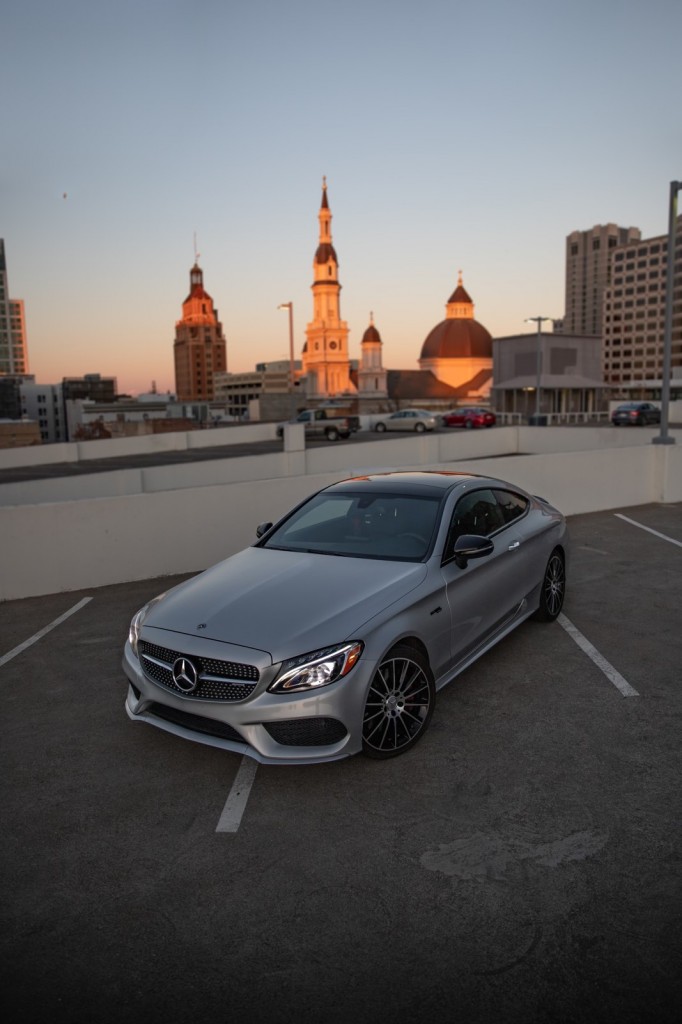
(282, 602)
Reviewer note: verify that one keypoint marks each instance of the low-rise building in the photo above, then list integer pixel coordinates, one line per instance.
(546, 373)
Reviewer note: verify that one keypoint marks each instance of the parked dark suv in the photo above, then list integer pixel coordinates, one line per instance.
(635, 414)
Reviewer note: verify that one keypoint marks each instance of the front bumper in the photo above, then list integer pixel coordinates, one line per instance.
(325, 725)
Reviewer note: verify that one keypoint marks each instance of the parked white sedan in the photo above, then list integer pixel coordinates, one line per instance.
(417, 420)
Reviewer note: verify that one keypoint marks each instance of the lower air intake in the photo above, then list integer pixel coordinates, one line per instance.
(307, 732)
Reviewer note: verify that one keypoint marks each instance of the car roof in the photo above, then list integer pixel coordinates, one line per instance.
(418, 482)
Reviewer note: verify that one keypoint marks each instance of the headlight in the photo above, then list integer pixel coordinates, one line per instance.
(319, 668)
(138, 619)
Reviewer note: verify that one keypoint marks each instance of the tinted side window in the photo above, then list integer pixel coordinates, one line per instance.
(476, 512)
(512, 505)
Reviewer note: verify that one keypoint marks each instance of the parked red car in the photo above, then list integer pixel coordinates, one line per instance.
(470, 417)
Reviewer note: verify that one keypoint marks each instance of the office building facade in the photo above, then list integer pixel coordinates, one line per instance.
(13, 347)
(588, 264)
(634, 313)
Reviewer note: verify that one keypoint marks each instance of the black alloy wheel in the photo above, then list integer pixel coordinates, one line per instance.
(399, 704)
(553, 589)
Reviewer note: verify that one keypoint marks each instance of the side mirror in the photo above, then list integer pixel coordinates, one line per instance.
(263, 528)
(471, 545)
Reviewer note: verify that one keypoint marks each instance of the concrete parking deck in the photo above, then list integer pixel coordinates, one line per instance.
(521, 864)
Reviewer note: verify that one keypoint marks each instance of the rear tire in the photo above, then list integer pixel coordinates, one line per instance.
(553, 589)
(332, 434)
(419, 428)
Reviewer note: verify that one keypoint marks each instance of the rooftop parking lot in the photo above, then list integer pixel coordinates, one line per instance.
(521, 864)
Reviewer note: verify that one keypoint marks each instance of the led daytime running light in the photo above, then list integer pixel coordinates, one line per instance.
(318, 668)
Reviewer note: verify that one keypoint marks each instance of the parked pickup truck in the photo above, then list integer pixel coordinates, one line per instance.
(324, 423)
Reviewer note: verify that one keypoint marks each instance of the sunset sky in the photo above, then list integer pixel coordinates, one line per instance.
(453, 135)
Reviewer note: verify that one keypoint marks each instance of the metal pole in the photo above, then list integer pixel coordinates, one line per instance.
(539, 320)
(292, 375)
(538, 371)
(664, 436)
(291, 354)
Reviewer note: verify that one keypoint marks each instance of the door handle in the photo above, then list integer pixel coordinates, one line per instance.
(516, 544)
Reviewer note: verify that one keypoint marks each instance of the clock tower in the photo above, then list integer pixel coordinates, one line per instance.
(326, 365)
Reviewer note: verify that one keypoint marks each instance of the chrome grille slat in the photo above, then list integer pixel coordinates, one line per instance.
(218, 680)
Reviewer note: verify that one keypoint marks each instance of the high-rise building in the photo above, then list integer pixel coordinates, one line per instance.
(200, 349)
(634, 312)
(326, 365)
(13, 349)
(587, 274)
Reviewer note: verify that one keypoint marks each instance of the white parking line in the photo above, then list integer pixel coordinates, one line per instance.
(612, 674)
(235, 804)
(37, 636)
(648, 529)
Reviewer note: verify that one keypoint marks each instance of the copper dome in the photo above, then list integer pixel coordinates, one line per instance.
(371, 334)
(455, 338)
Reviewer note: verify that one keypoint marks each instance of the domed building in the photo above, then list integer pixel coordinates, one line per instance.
(459, 350)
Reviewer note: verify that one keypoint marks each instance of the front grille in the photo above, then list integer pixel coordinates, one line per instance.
(218, 680)
(307, 732)
(195, 722)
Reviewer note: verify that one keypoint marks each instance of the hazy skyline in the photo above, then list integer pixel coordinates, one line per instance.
(453, 136)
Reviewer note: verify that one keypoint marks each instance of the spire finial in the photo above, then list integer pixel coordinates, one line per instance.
(324, 181)
(459, 277)
(371, 317)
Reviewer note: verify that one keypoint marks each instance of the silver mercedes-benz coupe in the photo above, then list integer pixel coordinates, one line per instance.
(333, 632)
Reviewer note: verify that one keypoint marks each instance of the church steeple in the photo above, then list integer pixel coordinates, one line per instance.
(371, 375)
(326, 262)
(325, 356)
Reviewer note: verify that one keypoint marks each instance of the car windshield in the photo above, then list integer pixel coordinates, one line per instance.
(386, 526)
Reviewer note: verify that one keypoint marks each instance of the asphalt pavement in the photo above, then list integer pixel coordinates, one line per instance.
(520, 864)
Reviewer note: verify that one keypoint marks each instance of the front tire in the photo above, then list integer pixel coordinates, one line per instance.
(468, 425)
(553, 589)
(380, 428)
(399, 704)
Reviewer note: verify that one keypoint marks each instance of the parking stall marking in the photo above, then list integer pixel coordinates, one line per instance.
(46, 629)
(612, 674)
(648, 529)
(235, 804)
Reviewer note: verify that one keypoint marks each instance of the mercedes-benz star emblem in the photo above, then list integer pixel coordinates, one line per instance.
(185, 675)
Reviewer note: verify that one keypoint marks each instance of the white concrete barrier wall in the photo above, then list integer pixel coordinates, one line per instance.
(344, 457)
(82, 544)
(180, 440)
(38, 455)
(47, 548)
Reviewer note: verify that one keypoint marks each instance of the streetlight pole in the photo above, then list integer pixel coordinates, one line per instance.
(290, 307)
(664, 437)
(539, 320)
